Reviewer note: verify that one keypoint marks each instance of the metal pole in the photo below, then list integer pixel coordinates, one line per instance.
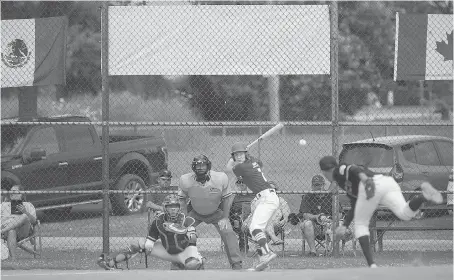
(274, 106)
(334, 34)
(105, 125)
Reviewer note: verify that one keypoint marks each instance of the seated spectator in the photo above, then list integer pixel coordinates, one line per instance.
(276, 223)
(16, 223)
(314, 207)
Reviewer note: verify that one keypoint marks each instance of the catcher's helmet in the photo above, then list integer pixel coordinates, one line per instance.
(171, 200)
(201, 174)
(239, 147)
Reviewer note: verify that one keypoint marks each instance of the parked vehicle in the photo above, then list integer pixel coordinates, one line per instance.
(410, 159)
(69, 157)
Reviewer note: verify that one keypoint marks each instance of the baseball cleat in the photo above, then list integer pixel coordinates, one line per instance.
(373, 266)
(103, 261)
(265, 260)
(430, 193)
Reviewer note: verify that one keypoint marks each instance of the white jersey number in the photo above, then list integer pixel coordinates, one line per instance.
(263, 175)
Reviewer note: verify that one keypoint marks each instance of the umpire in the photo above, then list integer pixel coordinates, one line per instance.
(211, 200)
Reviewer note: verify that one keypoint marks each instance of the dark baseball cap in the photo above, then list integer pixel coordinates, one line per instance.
(327, 162)
(318, 180)
(165, 173)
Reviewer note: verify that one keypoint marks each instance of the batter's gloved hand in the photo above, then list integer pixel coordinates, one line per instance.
(370, 188)
(175, 228)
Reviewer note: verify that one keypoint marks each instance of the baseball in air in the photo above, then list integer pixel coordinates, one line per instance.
(303, 142)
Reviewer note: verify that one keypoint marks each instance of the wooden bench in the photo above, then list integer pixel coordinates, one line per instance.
(377, 231)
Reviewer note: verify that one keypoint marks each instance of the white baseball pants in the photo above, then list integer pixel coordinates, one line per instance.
(387, 194)
(266, 202)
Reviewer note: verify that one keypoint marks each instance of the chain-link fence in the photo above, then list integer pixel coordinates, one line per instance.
(120, 119)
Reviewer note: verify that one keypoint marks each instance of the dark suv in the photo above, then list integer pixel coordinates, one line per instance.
(410, 159)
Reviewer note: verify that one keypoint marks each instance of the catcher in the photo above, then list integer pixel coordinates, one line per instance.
(366, 190)
(171, 237)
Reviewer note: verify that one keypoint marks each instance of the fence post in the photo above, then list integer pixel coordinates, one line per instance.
(334, 50)
(105, 125)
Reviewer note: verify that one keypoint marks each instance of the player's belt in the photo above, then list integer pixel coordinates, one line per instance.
(258, 195)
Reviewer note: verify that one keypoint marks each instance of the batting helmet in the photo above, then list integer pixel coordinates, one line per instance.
(239, 147)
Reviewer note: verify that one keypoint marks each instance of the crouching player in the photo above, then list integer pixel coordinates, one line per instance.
(171, 237)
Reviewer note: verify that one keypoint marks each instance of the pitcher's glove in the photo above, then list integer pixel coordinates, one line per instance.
(175, 228)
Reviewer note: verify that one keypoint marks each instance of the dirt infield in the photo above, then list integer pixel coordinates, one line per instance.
(414, 273)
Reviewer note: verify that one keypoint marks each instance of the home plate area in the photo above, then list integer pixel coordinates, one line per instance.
(442, 272)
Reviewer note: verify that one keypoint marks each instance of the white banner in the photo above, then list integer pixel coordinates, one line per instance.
(219, 40)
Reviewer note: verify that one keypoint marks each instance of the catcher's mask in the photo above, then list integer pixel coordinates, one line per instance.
(172, 207)
(201, 166)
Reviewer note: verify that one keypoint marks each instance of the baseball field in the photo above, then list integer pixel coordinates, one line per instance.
(74, 243)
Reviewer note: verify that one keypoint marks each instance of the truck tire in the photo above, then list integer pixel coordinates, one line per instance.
(127, 204)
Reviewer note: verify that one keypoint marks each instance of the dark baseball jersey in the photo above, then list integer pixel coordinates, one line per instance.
(251, 172)
(347, 177)
(174, 243)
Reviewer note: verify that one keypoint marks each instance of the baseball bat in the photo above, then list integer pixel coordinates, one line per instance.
(267, 134)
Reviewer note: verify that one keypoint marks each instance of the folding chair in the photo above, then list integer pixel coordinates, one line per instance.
(320, 242)
(35, 241)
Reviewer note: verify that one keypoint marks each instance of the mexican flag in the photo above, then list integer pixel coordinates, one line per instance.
(33, 52)
(423, 47)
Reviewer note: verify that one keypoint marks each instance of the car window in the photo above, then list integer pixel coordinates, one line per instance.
(426, 154)
(368, 155)
(44, 138)
(408, 150)
(77, 137)
(446, 151)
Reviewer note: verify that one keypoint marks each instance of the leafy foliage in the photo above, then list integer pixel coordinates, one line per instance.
(366, 60)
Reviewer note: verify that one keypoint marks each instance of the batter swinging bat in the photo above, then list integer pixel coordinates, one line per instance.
(267, 134)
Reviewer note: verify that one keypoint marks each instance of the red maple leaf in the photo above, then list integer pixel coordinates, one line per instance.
(445, 49)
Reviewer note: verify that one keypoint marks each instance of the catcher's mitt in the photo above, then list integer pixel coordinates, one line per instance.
(175, 228)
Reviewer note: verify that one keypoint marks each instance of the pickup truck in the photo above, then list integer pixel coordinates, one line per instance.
(69, 157)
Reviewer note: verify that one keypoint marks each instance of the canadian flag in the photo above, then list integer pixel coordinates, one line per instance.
(423, 47)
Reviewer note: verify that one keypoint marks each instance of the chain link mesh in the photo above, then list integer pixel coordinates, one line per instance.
(162, 121)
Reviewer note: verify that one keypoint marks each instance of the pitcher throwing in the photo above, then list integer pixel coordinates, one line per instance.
(250, 170)
(366, 191)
